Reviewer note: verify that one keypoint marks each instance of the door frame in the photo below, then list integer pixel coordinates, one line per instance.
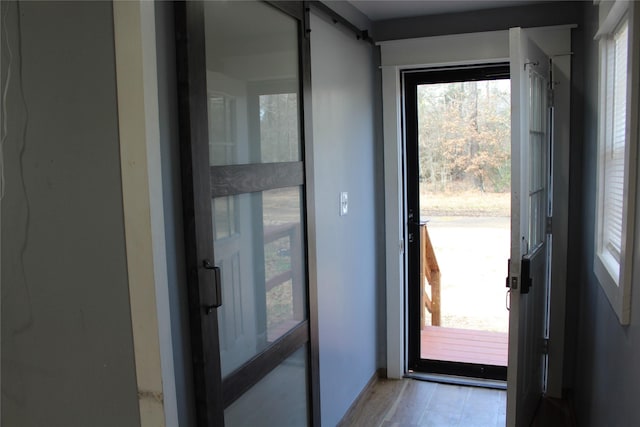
(454, 50)
(411, 79)
(199, 188)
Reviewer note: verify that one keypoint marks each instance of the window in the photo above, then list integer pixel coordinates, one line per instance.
(616, 160)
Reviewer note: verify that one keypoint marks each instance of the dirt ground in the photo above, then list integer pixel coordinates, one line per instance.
(472, 251)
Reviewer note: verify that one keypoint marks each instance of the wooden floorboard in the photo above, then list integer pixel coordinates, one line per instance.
(412, 403)
(464, 345)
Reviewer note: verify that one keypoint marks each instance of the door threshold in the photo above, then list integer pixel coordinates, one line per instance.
(457, 380)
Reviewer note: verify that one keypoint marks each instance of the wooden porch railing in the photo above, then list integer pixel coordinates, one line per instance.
(295, 272)
(429, 275)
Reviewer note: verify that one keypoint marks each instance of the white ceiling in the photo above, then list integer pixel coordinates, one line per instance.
(377, 10)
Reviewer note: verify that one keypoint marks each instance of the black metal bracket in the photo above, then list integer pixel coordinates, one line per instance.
(509, 273)
(525, 275)
(336, 18)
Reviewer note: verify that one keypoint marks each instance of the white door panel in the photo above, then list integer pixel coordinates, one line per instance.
(529, 208)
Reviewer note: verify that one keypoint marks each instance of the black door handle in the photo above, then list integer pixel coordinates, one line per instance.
(217, 286)
(525, 275)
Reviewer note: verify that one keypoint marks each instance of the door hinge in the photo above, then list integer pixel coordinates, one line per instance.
(545, 346)
(401, 246)
(549, 224)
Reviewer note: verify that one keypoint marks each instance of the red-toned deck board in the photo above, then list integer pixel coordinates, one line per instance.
(464, 345)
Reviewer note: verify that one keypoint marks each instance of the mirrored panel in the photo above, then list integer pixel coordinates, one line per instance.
(252, 83)
(258, 245)
(279, 399)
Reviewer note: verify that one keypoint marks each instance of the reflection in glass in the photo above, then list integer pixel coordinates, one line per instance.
(258, 247)
(279, 399)
(279, 127)
(252, 82)
(225, 217)
(222, 131)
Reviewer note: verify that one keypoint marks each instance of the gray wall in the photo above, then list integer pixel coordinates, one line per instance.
(553, 13)
(67, 354)
(607, 371)
(348, 247)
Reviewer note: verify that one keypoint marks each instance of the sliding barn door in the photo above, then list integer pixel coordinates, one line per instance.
(241, 88)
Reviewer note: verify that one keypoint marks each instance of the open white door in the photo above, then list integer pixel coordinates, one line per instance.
(529, 265)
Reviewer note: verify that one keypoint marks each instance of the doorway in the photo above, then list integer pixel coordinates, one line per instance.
(457, 136)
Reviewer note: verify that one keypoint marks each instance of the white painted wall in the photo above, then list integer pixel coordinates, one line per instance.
(344, 160)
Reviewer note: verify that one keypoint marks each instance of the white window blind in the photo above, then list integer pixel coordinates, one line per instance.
(614, 144)
(617, 153)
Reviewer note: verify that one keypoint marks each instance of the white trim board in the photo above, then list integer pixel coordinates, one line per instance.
(139, 132)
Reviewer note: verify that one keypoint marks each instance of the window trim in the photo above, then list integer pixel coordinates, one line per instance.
(617, 285)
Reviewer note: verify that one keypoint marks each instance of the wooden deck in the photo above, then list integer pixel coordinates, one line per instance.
(464, 345)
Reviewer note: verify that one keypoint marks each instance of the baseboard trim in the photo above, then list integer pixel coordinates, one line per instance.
(380, 373)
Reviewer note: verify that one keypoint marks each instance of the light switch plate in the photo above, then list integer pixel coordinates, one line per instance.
(344, 203)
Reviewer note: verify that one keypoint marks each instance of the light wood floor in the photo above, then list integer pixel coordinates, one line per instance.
(414, 403)
(464, 345)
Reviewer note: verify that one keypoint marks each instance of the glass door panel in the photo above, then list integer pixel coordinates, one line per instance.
(457, 125)
(240, 98)
(253, 110)
(268, 403)
(252, 83)
(258, 247)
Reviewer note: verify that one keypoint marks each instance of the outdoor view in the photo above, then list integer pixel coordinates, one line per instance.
(464, 174)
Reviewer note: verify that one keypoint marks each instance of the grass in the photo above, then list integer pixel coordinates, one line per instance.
(280, 298)
(465, 203)
(279, 304)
